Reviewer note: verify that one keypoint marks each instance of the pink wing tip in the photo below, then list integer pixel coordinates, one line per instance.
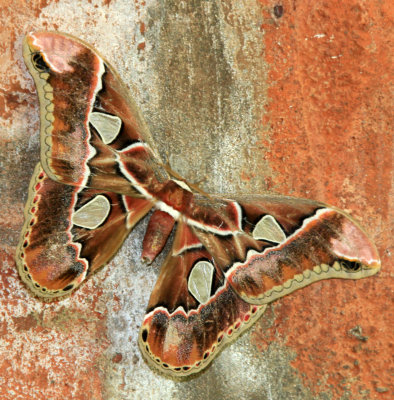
(355, 245)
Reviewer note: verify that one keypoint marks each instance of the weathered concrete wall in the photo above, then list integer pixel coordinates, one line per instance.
(245, 97)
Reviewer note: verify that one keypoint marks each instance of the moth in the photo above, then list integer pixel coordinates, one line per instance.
(99, 174)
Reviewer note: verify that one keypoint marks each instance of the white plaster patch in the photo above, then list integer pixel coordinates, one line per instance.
(92, 214)
(200, 281)
(108, 126)
(269, 229)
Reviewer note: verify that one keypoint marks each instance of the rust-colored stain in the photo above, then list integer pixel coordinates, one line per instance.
(331, 139)
(48, 351)
(324, 130)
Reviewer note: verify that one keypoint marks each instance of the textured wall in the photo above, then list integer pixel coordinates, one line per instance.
(245, 97)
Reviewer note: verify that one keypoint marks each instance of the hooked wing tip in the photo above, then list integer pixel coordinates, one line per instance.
(52, 50)
(354, 247)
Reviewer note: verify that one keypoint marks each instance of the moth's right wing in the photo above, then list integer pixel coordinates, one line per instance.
(71, 231)
(92, 134)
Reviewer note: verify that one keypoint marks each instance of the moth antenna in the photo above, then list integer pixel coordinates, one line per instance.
(193, 186)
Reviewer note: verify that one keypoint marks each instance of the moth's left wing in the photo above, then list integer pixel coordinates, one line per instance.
(70, 231)
(192, 311)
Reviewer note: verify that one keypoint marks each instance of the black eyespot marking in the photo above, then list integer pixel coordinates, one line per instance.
(144, 335)
(39, 63)
(278, 11)
(67, 288)
(165, 365)
(352, 266)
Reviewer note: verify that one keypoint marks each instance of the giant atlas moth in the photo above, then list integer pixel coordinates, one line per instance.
(100, 174)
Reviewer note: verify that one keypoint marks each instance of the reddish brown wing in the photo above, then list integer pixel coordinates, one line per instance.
(69, 232)
(285, 244)
(92, 133)
(192, 311)
(308, 241)
(216, 280)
